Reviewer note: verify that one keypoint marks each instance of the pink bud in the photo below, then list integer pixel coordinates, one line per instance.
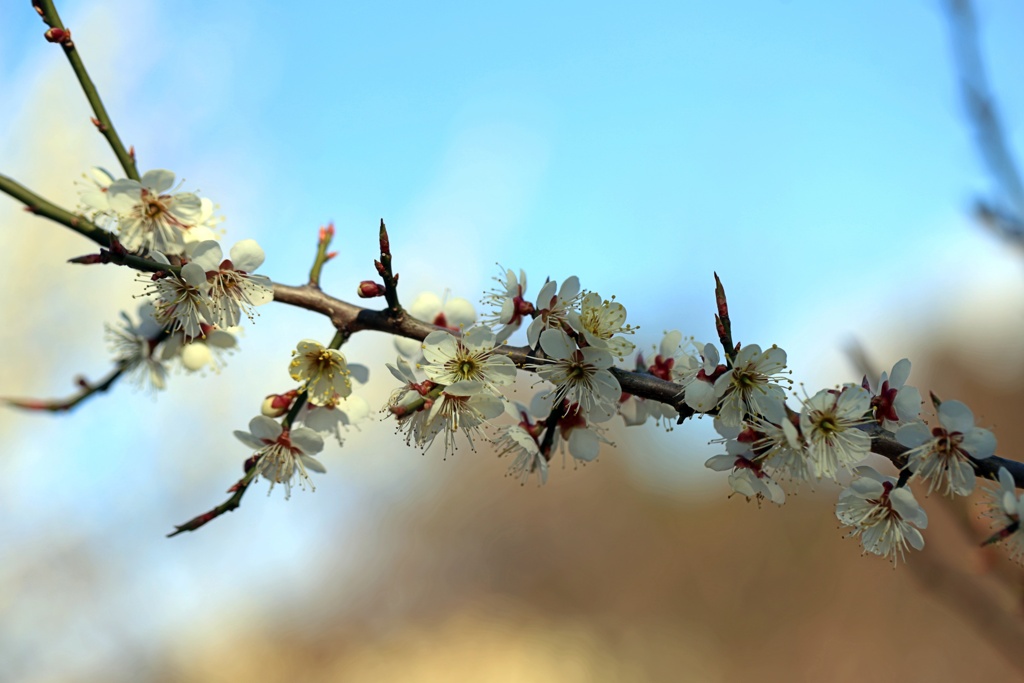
(369, 289)
(59, 35)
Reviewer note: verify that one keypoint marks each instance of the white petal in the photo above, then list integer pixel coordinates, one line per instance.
(308, 441)
(263, 427)
(207, 254)
(955, 416)
(900, 373)
(980, 443)
(247, 255)
(557, 344)
(312, 464)
(159, 179)
(584, 444)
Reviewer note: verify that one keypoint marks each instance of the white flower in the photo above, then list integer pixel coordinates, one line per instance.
(894, 402)
(782, 449)
(234, 290)
(134, 348)
(148, 218)
(829, 422)
(181, 301)
(508, 304)
(580, 376)
(335, 415)
(750, 383)
(462, 407)
(515, 440)
(452, 359)
(747, 477)
(700, 392)
(324, 372)
(1004, 507)
(599, 321)
(94, 192)
(942, 456)
(882, 514)
(198, 353)
(671, 363)
(450, 313)
(552, 309)
(280, 454)
(580, 435)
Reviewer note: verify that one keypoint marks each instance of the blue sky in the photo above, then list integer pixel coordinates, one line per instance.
(813, 154)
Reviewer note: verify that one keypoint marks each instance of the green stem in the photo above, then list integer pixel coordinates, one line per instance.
(83, 226)
(103, 122)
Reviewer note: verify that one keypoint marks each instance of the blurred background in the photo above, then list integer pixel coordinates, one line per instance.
(819, 157)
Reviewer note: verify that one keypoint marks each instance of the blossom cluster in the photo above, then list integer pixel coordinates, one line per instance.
(831, 436)
(196, 304)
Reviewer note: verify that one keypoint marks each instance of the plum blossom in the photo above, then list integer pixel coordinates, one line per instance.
(134, 348)
(149, 217)
(750, 384)
(515, 440)
(942, 456)
(747, 475)
(553, 309)
(599, 321)
(1004, 507)
(233, 288)
(461, 407)
(198, 353)
(453, 359)
(323, 372)
(507, 303)
(828, 422)
(672, 363)
(282, 454)
(882, 514)
(182, 301)
(94, 193)
(580, 376)
(700, 392)
(893, 401)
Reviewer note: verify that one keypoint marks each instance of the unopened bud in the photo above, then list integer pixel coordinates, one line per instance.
(327, 232)
(276, 405)
(369, 289)
(59, 35)
(88, 259)
(385, 242)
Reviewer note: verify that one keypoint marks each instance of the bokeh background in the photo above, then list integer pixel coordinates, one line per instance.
(815, 155)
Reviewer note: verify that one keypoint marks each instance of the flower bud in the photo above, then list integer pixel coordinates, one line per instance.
(59, 35)
(276, 405)
(369, 289)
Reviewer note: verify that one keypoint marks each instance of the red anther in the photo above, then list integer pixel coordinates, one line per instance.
(369, 289)
(59, 35)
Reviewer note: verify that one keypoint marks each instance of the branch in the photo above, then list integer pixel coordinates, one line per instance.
(63, 405)
(59, 34)
(112, 253)
(238, 490)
